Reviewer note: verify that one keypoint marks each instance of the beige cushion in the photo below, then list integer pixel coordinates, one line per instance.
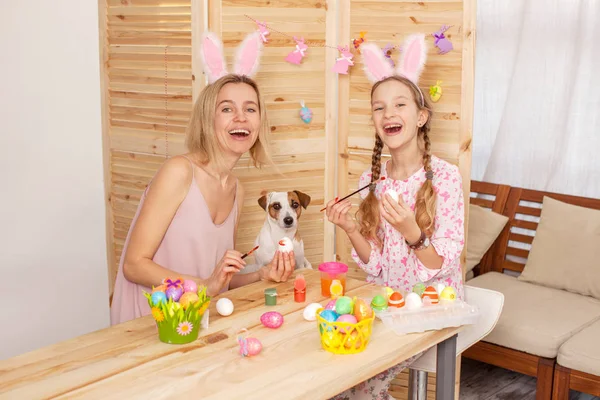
(581, 352)
(565, 253)
(484, 227)
(536, 319)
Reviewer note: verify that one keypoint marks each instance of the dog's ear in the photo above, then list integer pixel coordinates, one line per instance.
(263, 202)
(304, 198)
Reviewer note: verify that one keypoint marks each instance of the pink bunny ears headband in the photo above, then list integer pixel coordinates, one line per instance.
(247, 56)
(412, 61)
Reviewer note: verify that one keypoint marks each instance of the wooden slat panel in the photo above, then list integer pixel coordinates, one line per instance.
(513, 251)
(519, 223)
(515, 237)
(513, 266)
(482, 202)
(536, 212)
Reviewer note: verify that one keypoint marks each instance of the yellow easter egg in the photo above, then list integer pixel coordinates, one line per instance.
(336, 289)
(448, 294)
(331, 339)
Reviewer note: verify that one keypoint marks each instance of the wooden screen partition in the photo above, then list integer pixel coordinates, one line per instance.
(302, 152)
(152, 73)
(390, 22)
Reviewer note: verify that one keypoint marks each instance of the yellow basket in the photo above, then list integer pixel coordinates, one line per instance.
(344, 337)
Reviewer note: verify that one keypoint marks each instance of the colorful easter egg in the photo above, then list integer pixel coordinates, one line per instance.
(393, 194)
(190, 286)
(362, 310)
(439, 287)
(343, 305)
(224, 306)
(448, 294)
(419, 288)
(388, 291)
(413, 300)
(286, 245)
(330, 305)
(379, 303)
(349, 318)
(431, 293)
(272, 319)
(249, 346)
(158, 297)
(331, 339)
(174, 292)
(305, 113)
(187, 298)
(396, 300)
(310, 311)
(353, 341)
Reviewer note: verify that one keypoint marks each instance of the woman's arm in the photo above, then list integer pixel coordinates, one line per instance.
(165, 194)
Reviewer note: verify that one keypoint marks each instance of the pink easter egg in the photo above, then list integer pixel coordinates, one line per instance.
(272, 319)
(330, 305)
(249, 346)
(190, 286)
(346, 318)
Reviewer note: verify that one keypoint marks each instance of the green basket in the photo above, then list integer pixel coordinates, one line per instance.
(176, 324)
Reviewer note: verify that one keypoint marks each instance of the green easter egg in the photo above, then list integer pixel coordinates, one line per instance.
(419, 288)
(379, 303)
(343, 305)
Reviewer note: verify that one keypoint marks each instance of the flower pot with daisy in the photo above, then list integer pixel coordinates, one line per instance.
(177, 307)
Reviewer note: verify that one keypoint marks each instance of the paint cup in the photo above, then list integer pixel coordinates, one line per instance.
(271, 297)
(332, 271)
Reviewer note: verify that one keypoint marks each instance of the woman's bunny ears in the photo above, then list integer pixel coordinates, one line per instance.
(412, 60)
(247, 56)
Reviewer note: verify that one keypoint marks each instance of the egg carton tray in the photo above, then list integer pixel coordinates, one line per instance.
(427, 318)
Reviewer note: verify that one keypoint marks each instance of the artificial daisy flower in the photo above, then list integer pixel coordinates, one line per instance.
(185, 328)
(157, 314)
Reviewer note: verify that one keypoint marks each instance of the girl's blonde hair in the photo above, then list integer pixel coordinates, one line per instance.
(368, 212)
(201, 138)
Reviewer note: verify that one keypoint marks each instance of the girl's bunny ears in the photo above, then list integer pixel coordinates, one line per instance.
(412, 60)
(247, 56)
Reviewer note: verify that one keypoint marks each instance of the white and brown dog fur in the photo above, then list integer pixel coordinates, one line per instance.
(283, 213)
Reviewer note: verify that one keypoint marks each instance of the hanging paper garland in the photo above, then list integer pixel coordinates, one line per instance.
(296, 56)
(435, 91)
(359, 41)
(262, 29)
(341, 64)
(305, 113)
(442, 43)
(387, 52)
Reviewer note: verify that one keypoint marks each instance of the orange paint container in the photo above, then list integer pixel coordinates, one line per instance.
(330, 272)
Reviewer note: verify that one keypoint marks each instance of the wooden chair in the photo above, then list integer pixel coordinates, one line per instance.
(505, 256)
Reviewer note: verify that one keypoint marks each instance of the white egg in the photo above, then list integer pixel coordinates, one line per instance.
(224, 307)
(439, 287)
(286, 245)
(310, 311)
(413, 301)
(393, 194)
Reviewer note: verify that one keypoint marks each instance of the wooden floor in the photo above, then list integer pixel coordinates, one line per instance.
(479, 381)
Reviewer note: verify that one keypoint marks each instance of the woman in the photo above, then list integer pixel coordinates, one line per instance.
(187, 219)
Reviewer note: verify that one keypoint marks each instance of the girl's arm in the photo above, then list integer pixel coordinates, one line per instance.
(165, 194)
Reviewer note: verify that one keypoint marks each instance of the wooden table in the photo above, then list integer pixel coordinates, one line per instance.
(128, 360)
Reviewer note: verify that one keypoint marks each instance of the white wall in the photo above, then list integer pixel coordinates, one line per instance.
(53, 268)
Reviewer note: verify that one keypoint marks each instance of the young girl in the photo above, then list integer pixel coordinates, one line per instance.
(187, 219)
(420, 237)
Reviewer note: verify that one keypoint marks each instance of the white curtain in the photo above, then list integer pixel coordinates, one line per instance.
(537, 95)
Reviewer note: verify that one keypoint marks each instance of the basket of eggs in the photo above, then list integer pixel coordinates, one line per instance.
(345, 325)
(177, 307)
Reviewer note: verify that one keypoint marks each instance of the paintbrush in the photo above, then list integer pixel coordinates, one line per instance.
(356, 191)
(250, 252)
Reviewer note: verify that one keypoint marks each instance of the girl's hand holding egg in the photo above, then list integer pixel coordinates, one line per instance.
(395, 211)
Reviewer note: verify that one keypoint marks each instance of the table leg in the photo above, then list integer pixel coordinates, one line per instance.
(445, 369)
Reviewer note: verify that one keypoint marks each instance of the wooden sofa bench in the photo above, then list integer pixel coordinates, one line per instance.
(539, 326)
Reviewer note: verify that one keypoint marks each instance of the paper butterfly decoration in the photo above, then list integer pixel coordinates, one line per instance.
(357, 42)
(410, 65)
(247, 56)
(262, 29)
(442, 43)
(296, 56)
(435, 91)
(341, 64)
(387, 52)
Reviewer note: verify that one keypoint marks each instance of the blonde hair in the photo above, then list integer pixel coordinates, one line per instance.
(201, 138)
(368, 212)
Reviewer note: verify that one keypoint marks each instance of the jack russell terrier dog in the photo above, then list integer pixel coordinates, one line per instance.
(283, 212)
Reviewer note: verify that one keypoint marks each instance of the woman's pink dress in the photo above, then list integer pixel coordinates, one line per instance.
(192, 245)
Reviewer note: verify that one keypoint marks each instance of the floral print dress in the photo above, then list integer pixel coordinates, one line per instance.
(397, 266)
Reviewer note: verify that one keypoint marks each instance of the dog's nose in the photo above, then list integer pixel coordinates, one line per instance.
(288, 220)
